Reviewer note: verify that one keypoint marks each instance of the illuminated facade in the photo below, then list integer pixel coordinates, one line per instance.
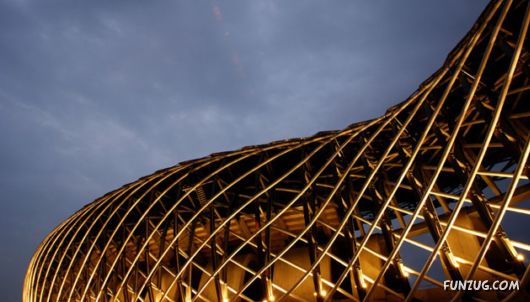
(385, 209)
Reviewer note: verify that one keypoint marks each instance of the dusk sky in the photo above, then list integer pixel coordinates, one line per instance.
(95, 94)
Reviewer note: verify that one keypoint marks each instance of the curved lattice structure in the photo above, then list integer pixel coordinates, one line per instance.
(436, 189)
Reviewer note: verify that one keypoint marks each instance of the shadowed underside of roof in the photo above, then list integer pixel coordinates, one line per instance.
(387, 209)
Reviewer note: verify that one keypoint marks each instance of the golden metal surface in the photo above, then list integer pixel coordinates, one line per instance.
(436, 189)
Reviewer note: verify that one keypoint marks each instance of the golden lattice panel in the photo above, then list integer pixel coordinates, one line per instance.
(436, 189)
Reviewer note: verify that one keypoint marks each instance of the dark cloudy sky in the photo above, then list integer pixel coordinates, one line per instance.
(94, 94)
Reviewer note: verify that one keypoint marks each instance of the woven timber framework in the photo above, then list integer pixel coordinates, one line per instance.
(436, 189)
